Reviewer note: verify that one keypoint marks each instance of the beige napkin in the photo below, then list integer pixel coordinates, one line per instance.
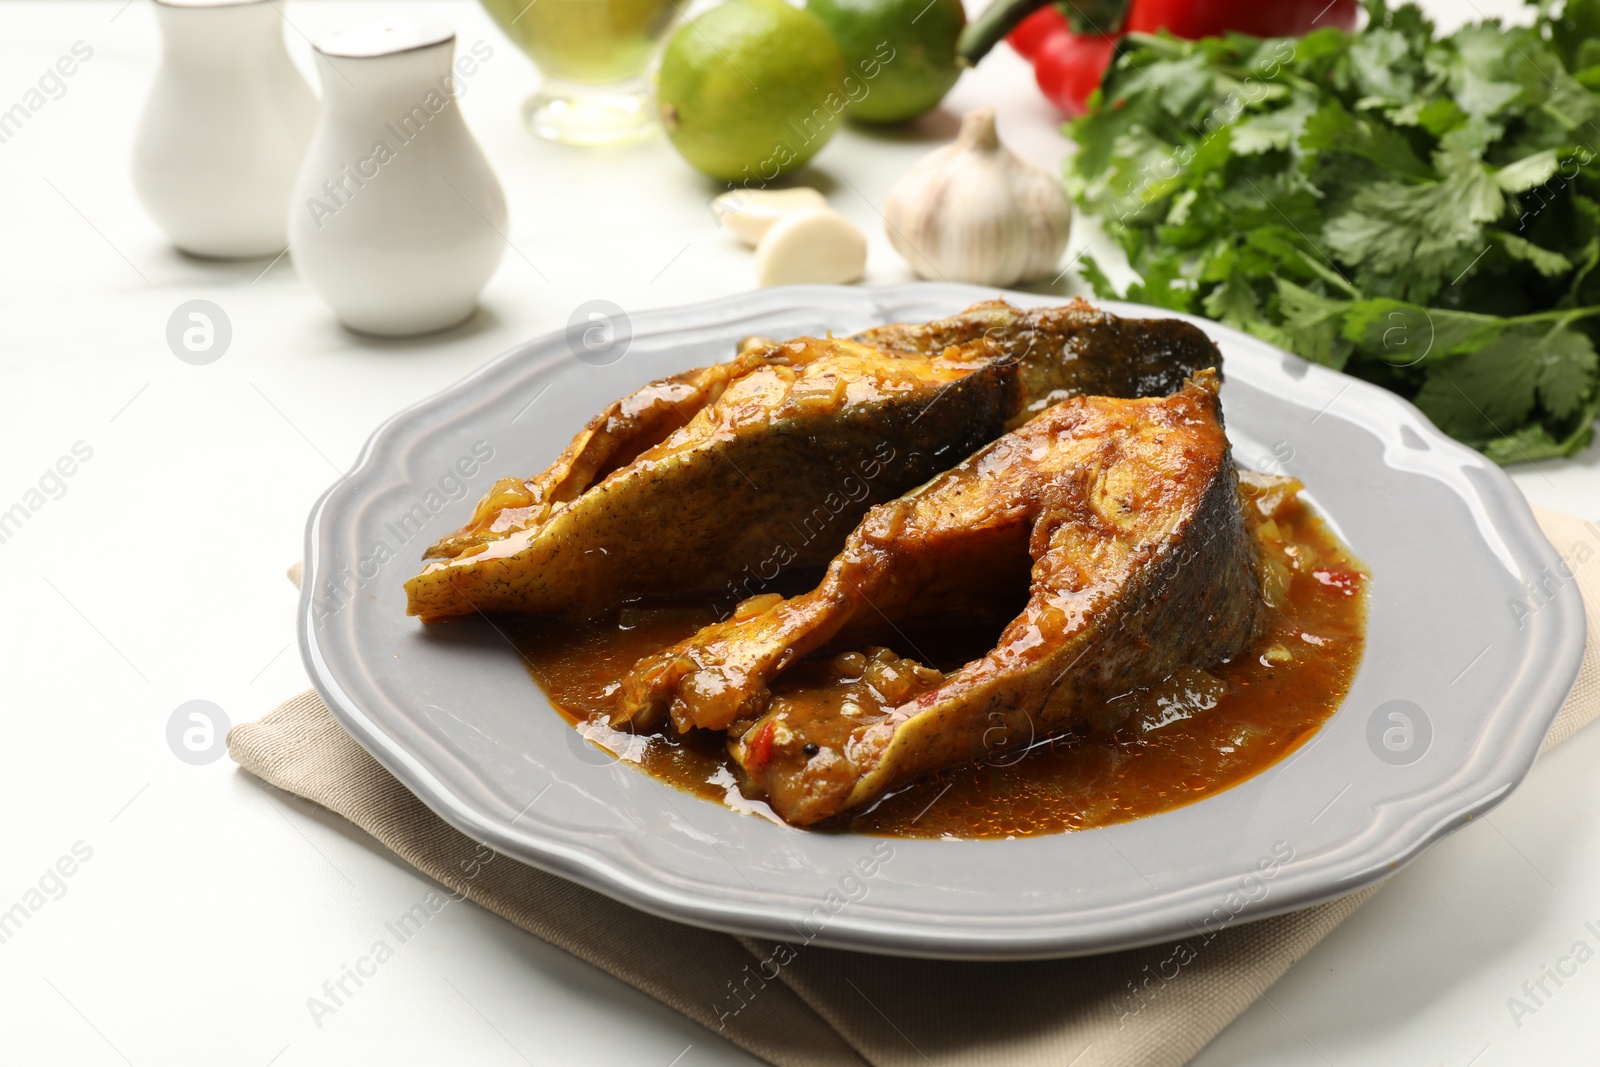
(1152, 1007)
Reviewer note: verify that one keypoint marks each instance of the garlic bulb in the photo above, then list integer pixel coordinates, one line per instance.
(974, 211)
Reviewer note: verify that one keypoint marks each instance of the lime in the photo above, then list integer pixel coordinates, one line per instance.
(901, 54)
(751, 89)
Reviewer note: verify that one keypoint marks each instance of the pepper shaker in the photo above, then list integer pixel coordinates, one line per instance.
(224, 129)
(396, 218)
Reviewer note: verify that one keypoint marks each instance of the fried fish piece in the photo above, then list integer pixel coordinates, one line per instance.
(1122, 518)
(717, 479)
(756, 465)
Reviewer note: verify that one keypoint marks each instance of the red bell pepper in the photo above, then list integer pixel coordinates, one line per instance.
(758, 753)
(1068, 67)
(1193, 19)
(1071, 44)
(1037, 28)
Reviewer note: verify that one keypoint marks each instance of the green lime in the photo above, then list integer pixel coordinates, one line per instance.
(901, 54)
(751, 89)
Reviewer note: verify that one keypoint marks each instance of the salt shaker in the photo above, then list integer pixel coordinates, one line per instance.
(396, 219)
(225, 127)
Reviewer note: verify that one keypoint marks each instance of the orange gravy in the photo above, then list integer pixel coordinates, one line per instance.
(1195, 735)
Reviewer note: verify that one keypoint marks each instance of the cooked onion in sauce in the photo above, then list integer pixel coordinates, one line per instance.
(1145, 752)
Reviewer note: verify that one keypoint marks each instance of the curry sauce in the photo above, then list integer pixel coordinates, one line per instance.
(1152, 750)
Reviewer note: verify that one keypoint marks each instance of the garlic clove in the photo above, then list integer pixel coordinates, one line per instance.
(749, 213)
(974, 211)
(812, 246)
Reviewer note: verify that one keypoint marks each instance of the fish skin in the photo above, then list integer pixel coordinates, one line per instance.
(1075, 349)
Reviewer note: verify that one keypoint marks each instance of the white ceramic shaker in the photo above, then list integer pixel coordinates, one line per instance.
(224, 129)
(396, 219)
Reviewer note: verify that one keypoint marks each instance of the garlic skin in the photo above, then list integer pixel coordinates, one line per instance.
(750, 213)
(974, 211)
(815, 246)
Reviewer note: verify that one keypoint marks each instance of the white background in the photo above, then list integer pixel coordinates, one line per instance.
(212, 908)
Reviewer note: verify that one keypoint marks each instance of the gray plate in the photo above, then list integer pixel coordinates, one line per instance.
(451, 712)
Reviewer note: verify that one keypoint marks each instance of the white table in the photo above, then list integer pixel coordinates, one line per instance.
(209, 908)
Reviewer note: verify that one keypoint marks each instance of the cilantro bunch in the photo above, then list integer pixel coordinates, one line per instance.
(1423, 213)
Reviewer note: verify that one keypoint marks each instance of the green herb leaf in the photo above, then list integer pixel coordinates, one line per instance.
(1407, 334)
(1534, 442)
(1421, 212)
(1567, 365)
(1486, 393)
(1273, 130)
(1311, 323)
(1529, 171)
(1092, 273)
(1548, 263)
(1332, 127)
